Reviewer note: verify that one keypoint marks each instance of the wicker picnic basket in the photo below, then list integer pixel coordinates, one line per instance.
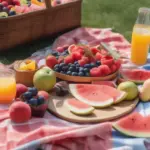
(26, 27)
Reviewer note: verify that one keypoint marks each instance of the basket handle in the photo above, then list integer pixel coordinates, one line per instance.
(48, 4)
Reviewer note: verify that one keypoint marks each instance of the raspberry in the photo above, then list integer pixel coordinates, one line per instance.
(92, 59)
(113, 68)
(81, 62)
(98, 56)
(86, 59)
(94, 50)
(76, 55)
(60, 49)
(95, 72)
(105, 70)
(68, 59)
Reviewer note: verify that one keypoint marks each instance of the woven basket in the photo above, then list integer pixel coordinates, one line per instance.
(20, 29)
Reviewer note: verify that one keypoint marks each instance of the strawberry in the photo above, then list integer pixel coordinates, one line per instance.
(118, 63)
(51, 61)
(95, 72)
(60, 49)
(107, 62)
(82, 62)
(76, 55)
(85, 58)
(68, 59)
(113, 68)
(94, 50)
(98, 56)
(104, 69)
(80, 50)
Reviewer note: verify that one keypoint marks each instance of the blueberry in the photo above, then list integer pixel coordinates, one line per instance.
(76, 62)
(68, 72)
(98, 63)
(87, 66)
(73, 66)
(77, 65)
(92, 65)
(33, 102)
(86, 70)
(33, 90)
(64, 68)
(77, 69)
(12, 13)
(81, 69)
(74, 74)
(54, 53)
(62, 64)
(27, 95)
(56, 66)
(87, 74)
(69, 64)
(40, 100)
(80, 74)
(71, 69)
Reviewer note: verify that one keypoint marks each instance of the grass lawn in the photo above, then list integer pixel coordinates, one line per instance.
(120, 15)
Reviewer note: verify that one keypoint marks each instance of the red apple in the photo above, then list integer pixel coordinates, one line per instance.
(20, 89)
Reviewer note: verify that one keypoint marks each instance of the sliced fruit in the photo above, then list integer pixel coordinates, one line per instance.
(109, 83)
(91, 94)
(135, 75)
(75, 48)
(78, 107)
(134, 125)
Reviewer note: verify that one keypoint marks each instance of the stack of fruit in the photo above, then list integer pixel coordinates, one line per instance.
(83, 61)
(37, 100)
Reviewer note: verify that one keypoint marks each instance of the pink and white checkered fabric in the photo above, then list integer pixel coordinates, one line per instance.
(55, 133)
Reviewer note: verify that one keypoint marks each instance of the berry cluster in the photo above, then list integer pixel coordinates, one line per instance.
(31, 98)
(75, 69)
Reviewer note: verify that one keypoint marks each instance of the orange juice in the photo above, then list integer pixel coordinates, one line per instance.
(140, 46)
(141, 37)
(7, 87)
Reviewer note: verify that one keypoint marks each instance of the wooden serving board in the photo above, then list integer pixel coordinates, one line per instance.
(57, 107)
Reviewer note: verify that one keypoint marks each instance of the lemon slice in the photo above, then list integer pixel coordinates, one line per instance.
(23, 66)
(31, 66)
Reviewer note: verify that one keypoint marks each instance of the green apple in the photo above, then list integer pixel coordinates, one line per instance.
(44, 79)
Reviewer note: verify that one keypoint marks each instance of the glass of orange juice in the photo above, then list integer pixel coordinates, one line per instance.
(141, 37)
(7, 86)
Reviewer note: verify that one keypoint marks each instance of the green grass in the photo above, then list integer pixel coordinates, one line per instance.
(120, 15)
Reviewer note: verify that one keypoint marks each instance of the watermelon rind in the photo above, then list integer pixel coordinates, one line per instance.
(130, 132)
(83, 111)
(72, 88)
(121, 97)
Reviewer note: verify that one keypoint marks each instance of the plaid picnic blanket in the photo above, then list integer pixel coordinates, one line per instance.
(52, 133)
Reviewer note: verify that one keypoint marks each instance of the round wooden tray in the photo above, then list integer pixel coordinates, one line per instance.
(85, 79)
(57, 106)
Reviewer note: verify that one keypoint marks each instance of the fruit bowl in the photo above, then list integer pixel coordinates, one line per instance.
(22, 76)
(85, 79)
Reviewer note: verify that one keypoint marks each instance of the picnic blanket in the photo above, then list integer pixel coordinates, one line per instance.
(52, 133)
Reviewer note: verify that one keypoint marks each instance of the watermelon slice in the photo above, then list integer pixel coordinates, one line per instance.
(134, 125)
(135, 75)
(78, 107)
(75, 48)
(96, 95)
